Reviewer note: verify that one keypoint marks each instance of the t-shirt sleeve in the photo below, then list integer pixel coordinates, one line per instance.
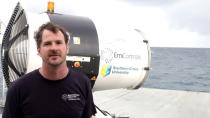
(12, 108)
(89, 109)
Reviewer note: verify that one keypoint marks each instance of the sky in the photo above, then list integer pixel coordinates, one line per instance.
(165, 23)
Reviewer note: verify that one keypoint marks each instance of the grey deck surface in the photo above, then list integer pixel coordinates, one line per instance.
(154, 103)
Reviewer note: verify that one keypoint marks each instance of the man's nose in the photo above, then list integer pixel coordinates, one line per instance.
(54, 46)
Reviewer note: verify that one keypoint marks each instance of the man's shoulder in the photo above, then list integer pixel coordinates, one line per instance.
(25, 78)
(22, 83)
(78, 76)
(77, 73)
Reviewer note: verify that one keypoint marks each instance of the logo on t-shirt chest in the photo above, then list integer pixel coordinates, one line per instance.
(70, 97)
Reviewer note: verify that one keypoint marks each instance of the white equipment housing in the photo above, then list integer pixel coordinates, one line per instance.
(111, 60)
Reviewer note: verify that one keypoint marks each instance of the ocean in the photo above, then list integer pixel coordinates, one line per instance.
(185, 69)
(175, 68)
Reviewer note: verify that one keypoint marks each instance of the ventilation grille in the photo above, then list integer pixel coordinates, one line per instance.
(15, 46)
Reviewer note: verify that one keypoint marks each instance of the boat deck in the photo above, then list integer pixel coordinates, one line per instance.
(154, 103)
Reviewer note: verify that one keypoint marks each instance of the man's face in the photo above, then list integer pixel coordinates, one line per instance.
(53, 49)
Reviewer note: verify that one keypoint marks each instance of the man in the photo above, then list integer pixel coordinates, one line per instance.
(54, 90)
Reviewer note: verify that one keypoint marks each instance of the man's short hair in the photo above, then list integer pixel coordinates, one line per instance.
(51, 27)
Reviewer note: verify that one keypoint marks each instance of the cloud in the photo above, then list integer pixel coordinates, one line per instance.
(187, 19)
(151, 2)
(165, 22)
(191, 14)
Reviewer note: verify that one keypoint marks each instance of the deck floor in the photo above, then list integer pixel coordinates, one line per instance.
(154, 103)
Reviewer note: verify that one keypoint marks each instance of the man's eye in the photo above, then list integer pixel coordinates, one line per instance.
(59, 42)
(46, 44)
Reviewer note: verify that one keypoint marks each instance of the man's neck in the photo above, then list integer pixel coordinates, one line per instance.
(55, 73)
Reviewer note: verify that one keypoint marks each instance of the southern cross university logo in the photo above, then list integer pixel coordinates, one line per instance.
(106, 70)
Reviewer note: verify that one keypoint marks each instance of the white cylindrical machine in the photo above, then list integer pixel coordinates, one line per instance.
(110, 59)
(124, 60)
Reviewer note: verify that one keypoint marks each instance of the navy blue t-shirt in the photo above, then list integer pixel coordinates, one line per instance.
(33, 96)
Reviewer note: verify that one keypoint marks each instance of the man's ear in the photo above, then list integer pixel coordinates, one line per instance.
(38, 51)
(67, 47)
